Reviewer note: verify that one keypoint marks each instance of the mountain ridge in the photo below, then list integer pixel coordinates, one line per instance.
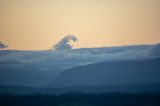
(124, 71)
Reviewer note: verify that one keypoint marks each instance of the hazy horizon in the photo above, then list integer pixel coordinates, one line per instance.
(74, 46)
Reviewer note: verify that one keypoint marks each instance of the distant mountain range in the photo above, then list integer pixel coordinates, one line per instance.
(111, 73)
(136, 76)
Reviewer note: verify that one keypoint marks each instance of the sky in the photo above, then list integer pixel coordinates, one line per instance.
(40, 24)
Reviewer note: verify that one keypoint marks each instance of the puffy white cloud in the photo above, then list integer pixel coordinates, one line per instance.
(64, 43)
(3, 46)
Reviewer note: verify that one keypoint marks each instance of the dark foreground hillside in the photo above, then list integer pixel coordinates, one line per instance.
(107, 99)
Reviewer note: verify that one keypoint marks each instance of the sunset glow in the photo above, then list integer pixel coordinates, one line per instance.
(39, 24)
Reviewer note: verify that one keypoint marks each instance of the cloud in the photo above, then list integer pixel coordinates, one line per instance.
(64, 44)
(60, 59)
(3, 46)
(154, 50)
(63, 59)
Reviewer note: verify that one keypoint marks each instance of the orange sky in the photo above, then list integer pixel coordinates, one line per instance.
(39, 24)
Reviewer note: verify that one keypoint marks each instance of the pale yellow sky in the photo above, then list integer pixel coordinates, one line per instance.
(39, 24)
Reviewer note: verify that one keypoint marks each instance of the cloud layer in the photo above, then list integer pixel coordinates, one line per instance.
(65, 58)
(64, 43)
(3, 46)
(48, 64)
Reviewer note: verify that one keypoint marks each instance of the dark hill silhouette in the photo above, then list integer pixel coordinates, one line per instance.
(111, 73)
